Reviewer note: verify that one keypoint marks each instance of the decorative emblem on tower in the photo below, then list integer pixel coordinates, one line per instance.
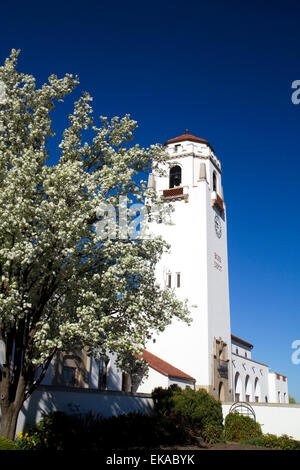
(218, 227)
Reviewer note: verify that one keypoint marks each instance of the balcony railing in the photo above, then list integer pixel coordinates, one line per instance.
(217, 201)
(177, 193)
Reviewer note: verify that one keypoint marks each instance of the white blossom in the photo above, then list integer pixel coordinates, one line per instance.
(61, 286)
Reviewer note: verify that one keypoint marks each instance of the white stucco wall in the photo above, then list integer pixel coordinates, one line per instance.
(278, 388)
(182, 345)
(194, 247)
(154, 379)
(275, 418)
(254, 370)
(181, 383)
(46, 399)
(240, 349)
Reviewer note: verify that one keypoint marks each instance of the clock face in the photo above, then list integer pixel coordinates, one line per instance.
(218, 228)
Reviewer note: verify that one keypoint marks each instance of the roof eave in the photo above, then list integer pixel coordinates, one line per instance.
(190, 139)
(241, 341)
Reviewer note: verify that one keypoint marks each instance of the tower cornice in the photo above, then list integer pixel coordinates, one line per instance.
(195, 155)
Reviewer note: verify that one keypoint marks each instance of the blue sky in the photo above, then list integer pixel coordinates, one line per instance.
(224, 71)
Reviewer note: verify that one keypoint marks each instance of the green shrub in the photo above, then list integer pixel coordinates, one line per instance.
(180, 416)
(132, 429)
(169, 432)
(239, 427)
(286, 443)
(163, 399)
(7, 444)
(195, 411)
(271, 441)
(59, 431)
(212, 433)
(138, 430)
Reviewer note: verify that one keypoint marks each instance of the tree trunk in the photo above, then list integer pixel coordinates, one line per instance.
(9, 419)
(10, 408)
(11, 404)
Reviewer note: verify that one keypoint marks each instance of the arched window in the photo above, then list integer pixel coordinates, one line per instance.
(214, 181)
(256, 390)
(247, 389)
(238, 387)
(175, 176)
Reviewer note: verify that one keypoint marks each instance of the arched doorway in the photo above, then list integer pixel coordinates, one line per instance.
(221, 391)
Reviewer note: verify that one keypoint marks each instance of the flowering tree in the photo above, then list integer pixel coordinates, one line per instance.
(63, 285)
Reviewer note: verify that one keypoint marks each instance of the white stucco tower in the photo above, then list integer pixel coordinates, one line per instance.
(197, 266)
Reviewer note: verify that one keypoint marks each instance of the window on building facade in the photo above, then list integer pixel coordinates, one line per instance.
(247, 388)
(257, 390)
(178, 279)
(237, 386)
(69, 370)
(103, 372)
(175, 176)
(68, 376)
(126, 382)
(169, 280)
(214, 181)
(176, 148)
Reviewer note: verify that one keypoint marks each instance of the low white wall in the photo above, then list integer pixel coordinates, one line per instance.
(275, 418)
(47, 399)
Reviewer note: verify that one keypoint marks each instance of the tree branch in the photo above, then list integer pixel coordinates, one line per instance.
(37, 382)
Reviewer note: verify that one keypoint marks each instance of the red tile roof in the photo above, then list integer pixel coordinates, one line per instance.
(241, 341)
(164, 367)
(186, 136)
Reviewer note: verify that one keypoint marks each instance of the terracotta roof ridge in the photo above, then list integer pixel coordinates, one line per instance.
(164, 367)
(186, 137)
(242, 341)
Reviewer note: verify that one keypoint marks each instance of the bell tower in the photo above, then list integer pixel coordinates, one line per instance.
(197, 265)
